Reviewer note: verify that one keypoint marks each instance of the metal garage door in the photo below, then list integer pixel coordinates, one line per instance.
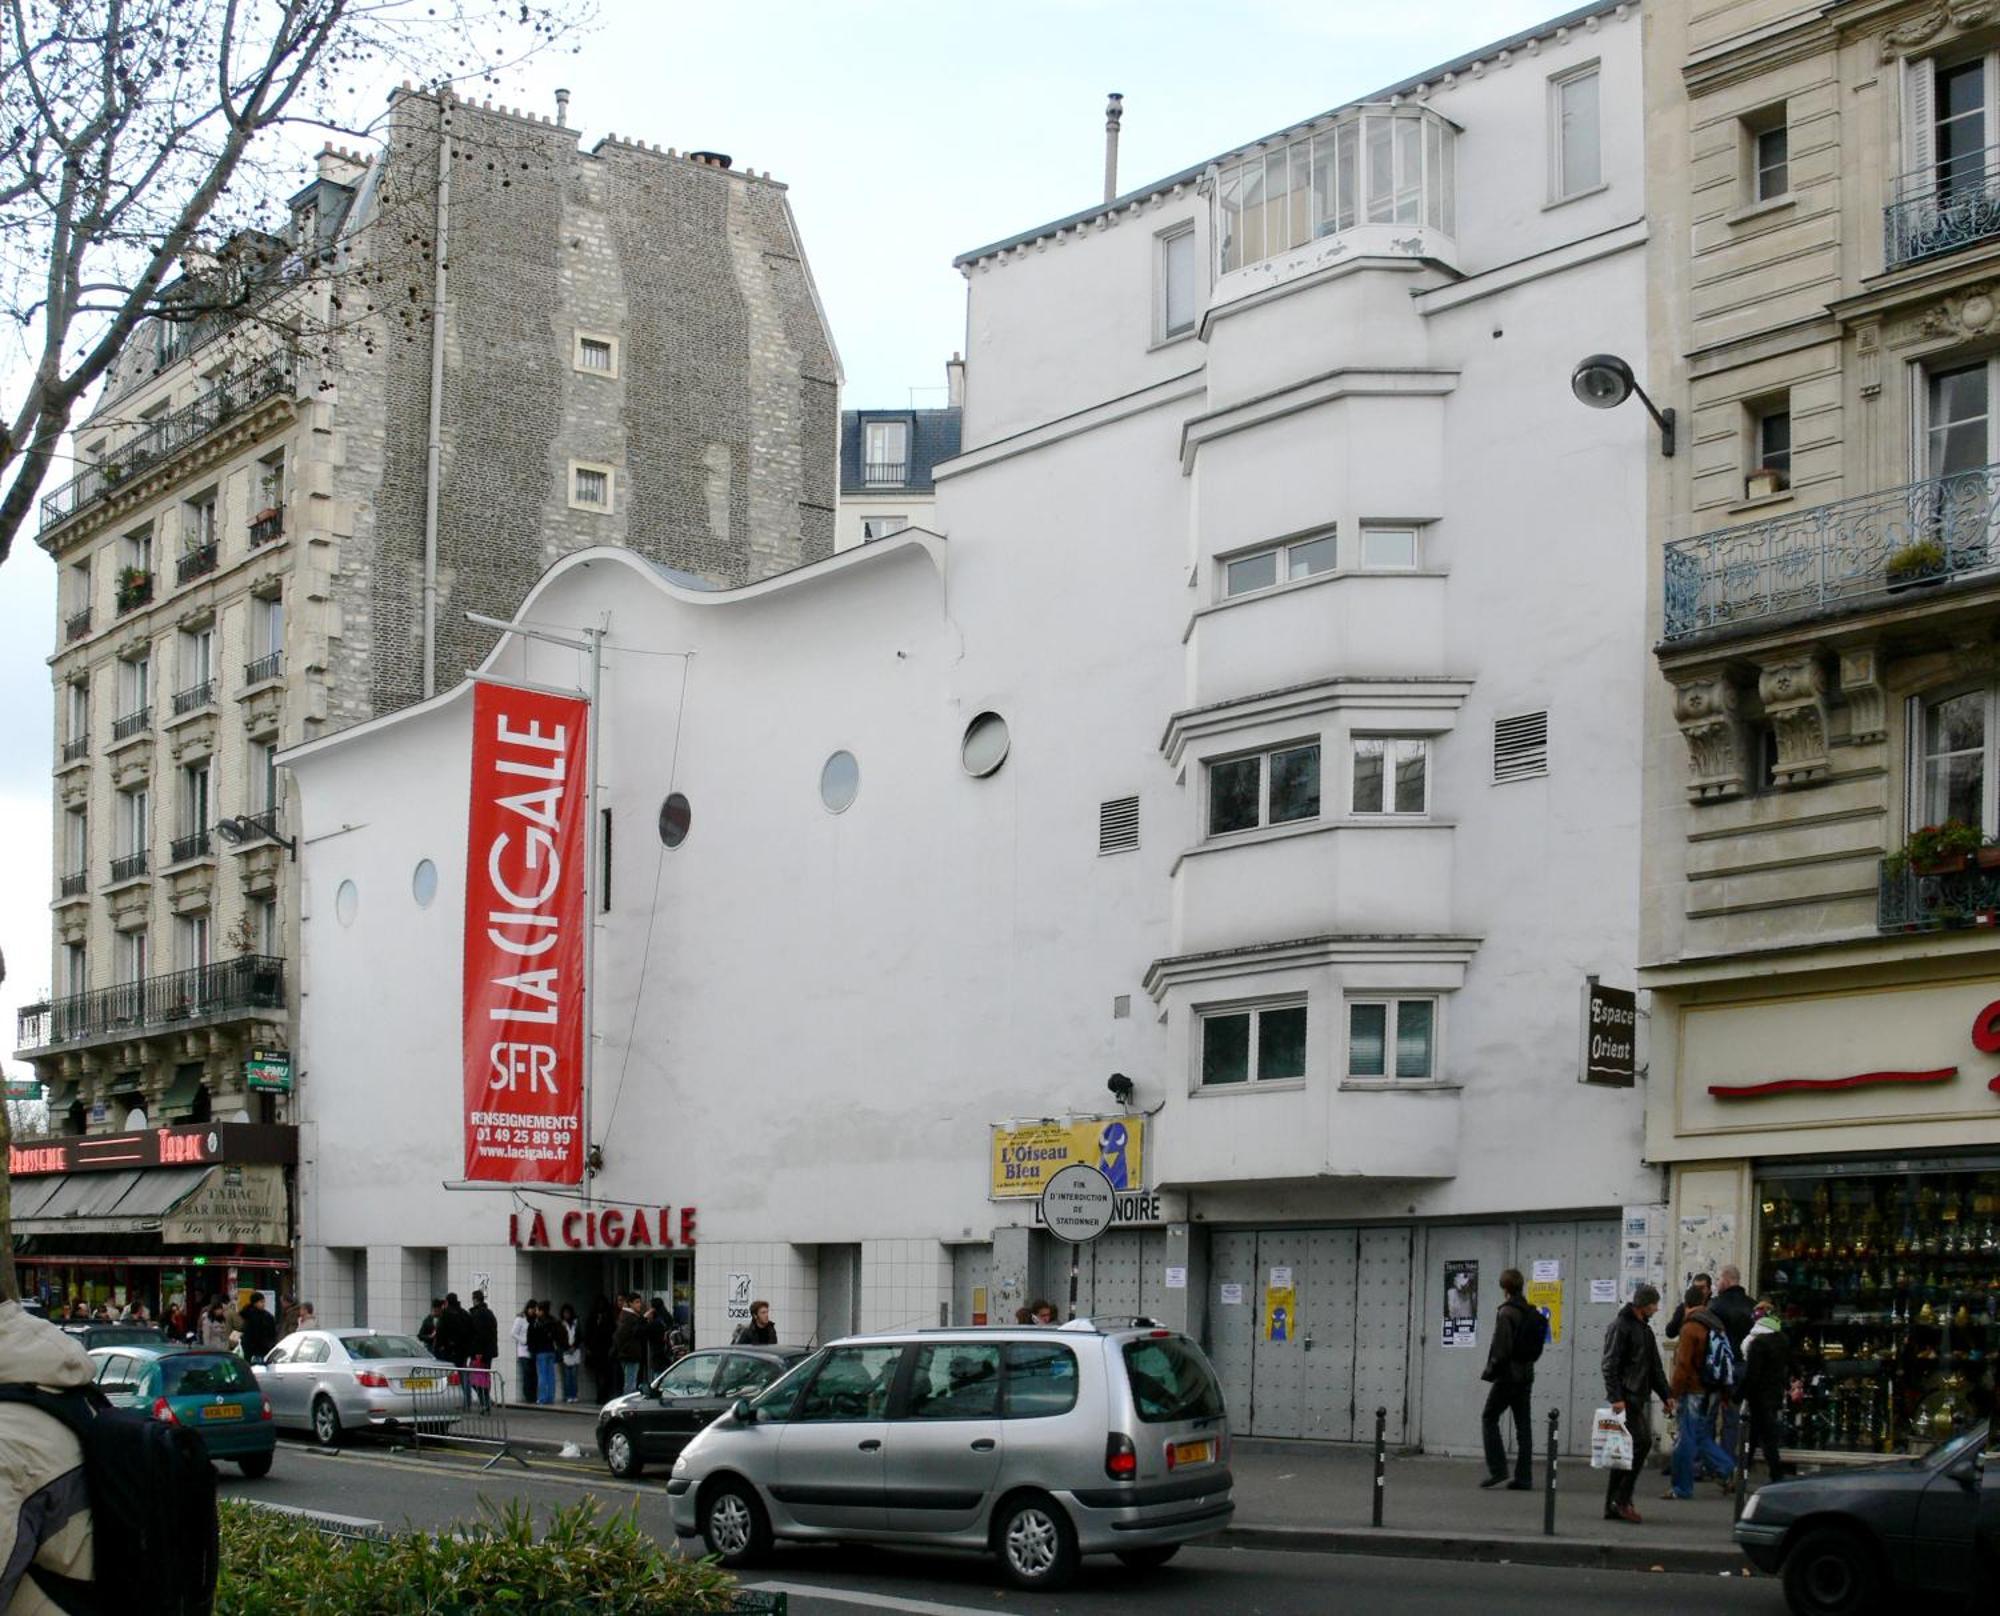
(1120, 1274)
(972, 1286)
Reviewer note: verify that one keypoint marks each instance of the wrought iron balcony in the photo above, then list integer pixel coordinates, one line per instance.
(223, 990)
(77, 624)
(167, 436)
(196, 562)
(265, 825)
(1834, 557)
(265, 667)
(76, 747)
(191, 846)
(1908, 900)
(194, 698)
(129, 866)
(135, 589)
(266, 528)
(1943, 207)
(75, 884)
(136, 722)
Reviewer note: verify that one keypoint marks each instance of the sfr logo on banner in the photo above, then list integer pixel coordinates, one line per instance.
(525, 913)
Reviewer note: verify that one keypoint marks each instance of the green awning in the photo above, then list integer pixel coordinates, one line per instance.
(181, 1092)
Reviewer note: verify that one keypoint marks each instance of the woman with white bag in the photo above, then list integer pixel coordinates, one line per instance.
(1633, 1375)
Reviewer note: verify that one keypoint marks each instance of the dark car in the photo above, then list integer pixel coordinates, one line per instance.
(1843, 1540)
(653, 1424)
(91, 1334)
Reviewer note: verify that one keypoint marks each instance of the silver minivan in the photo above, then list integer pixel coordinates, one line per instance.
(1040, 1444)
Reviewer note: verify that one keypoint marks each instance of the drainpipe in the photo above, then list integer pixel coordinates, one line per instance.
(434, 447)
(1114, 110)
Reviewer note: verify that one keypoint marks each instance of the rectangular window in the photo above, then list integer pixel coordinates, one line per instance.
(1392, 1037)
(1774, 441)
(76, 711)
(190, 941)
(1771, 157)
(267, 624)
(132, 953)
(1281, 563)
(271, 481)
(1959, 139)
(197, 657)
(1953, 780)
(198, 522)
(597, 354)
(266, 922)
(1179, 294)
(880, 527)
(135, 685)
(592, 488)
(1391, 774)
(1578, 161)
(1267, 788)
(134, 812)
(852, 1384)
(1041, 1380)
(76, 840)
(1958, 424)
(1387, 548)
(885, 451)
(135, 550)
(76, 586)
(195, 802)
(959, 1380)
(1264, 1044)
(76, 969)
(264, 774)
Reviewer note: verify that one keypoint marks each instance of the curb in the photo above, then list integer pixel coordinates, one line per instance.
(1537, 1551)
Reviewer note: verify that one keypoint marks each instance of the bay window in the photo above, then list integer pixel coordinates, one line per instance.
(1277, 787)
(1392, 1038)
(1391, 775)
(1260, 1044)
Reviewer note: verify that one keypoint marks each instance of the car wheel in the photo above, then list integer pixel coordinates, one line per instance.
(733, 1525)
(1037, 1543)
(1831, 1572)
(325, 1422)
(1149, 1559)
(621, 1453)
(254, 1465)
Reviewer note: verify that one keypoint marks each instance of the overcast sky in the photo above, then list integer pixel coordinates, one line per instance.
(907, 134)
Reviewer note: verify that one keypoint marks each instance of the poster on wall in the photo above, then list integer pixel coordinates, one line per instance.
(1545, 1296)
(1461, 1304)
(738, 1309)
(1281, 1310)
(1027, 1155)
(525, 913)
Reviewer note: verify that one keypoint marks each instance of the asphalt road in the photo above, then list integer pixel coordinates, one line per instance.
(434, 1492)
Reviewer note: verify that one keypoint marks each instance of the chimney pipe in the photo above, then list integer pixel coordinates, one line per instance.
(1114, 110)
(562, 109)
(954, 382)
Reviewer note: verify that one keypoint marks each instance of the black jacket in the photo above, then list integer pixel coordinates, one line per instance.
(628, 1337)
(542, 1336)
(1767, 1369)
(258, 1331)
(485, 1341)
(1508, 1323)
(1631, 1361)
(453, 1342)
(759, 1335)
(1736, 1311)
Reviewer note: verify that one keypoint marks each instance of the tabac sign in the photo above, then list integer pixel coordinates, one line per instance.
(1026, 1156)
(233, 1206)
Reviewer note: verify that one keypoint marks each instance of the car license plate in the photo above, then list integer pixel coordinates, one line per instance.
(221, 1411)
(419, 1383)
(1193, 1453)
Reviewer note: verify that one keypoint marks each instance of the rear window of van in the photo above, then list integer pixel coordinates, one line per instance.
(1171, 1381)
(191, 1376)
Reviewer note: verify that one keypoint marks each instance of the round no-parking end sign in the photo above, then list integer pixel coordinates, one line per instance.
(1076, 1203)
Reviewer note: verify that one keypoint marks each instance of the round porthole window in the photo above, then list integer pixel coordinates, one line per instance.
(840, 782)
(675, 817)
(346, 900)
(424, 883)
(985, 745)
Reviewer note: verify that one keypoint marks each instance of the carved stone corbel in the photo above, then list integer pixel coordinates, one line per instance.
(1793, 692)
(1866, 695)
(1709, 709)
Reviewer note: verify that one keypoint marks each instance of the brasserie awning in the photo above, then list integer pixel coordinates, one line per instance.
(128, 1202)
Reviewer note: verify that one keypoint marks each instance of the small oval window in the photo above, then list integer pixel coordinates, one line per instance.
(675, 817)
(840, 782)
(985, 745)
(424, 883)
(346, 900)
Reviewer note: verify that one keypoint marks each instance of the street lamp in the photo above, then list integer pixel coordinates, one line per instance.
(241, 828)
(1604, 381)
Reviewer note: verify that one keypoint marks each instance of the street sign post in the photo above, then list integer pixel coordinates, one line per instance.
(1076, 1207)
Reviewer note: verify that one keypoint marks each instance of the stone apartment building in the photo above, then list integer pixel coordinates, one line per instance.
(1825, 316)
(284, 512)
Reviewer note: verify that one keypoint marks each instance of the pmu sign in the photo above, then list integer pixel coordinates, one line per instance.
(525, 911)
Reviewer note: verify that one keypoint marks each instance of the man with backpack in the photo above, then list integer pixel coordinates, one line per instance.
(1519, 1334)
(1705, 1367)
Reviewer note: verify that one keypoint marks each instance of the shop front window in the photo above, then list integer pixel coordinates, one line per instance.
(1887, 1279)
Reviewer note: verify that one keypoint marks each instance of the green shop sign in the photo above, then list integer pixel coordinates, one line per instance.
(269, 1071)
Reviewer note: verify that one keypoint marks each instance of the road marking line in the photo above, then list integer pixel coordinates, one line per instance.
(874, 1601)
(353, 1521)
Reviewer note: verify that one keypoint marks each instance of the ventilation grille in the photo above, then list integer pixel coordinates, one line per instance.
(1118, 825)
(1520, 747)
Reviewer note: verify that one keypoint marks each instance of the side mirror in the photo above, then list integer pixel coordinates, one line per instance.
(257, 1362)
(742, 1412)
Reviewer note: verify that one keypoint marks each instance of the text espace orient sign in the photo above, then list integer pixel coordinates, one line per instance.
(525, 911)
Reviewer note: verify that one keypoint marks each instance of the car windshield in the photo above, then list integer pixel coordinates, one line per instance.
(195, 1375)
(1171, 1380)
(384, 1346)
(1967, 1441)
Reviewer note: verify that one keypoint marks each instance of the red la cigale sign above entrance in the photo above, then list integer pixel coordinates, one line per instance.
(610, 1228)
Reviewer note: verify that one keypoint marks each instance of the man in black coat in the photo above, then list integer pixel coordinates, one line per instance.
(483, 1346)
(1734, 1310)
(258, 1331)
(1518, 1333)
(1633, 1376)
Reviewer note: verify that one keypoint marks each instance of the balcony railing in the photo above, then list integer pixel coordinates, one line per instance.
(265, 667)
(76, 747)
(1942, 208)
(191, 846)
(167, 436)
(75, 884)
(77, 624)
(223, 988)
(135, 589)
(267, 527)
(132, 864)
(885, 471)
(136, 722)
(1852, 552)
(194, 698)
(1907, 900)
(265, 825)
(196, 562)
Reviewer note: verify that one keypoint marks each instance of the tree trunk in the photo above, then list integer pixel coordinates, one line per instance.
(9, 1290)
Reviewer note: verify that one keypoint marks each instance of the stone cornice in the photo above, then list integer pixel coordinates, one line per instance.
(1752, 55)
(1437, 696)
(1337, 948)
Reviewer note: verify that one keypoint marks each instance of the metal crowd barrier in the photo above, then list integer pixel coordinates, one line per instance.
(465, 1407)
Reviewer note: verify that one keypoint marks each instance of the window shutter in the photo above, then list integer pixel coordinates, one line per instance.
(1118, 825)
(1520, 747)
(1919, 116)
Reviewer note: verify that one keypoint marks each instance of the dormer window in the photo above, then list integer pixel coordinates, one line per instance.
(885, 451)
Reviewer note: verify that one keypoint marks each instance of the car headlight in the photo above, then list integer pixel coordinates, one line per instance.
(680, 1464)
(1749, 1508)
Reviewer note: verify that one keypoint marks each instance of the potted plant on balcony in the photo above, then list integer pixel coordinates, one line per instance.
(1765, 481)
(1941, 850)
(1920, 562)
(135, 587)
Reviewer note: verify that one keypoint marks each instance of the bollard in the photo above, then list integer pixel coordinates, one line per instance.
(1549, 1495)
(1381, 1458)
(1741, 1475)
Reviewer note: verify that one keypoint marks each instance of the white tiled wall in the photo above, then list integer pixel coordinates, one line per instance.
(785, 1275)
(904, 1284)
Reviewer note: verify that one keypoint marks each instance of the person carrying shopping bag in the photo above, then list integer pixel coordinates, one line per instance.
(1633, 1376)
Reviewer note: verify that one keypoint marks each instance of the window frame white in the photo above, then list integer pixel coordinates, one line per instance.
(1380, 529)
(76, 968)
(578, 469)
(264, 786)
(1175, 251)
(270, 927)
(1255, 1010)
(193, 940)
(1262, 755)
(884, 425)
(1393, 1002)
(133, 954)
(868, 536)
(197, 795)
(1389, 739)
(1919, 755)
(267, 625)
(1563, 187)
(587, 340)
(200, 520)
(1925, 373)
(1282, 562)
(135, 549)
(135, 683)
(76, 709)
(135, 814)
(76, 840)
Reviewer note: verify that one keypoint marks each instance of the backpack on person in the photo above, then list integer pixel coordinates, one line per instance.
(152, 1509)
(1531, 1335)
(1719, 1370)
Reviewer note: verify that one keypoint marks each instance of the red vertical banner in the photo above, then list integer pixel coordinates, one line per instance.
(525, 911)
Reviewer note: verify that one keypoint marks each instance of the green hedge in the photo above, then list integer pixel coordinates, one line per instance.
(584, 1564)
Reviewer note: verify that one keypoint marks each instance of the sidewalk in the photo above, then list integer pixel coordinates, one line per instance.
(1318, 1497)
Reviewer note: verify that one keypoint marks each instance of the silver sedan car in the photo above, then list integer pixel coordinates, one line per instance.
(331, 1381)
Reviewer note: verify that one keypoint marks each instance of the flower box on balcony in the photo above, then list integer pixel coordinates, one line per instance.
(1765, 482)
(1914, 564)
(1945, 849)
(135, 587)
(267, 525)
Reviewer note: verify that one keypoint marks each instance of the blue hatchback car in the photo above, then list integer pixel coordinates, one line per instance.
(212, 1393)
